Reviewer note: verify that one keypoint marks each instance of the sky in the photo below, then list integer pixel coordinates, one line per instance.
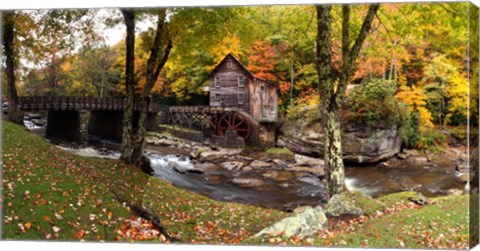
(115, 34)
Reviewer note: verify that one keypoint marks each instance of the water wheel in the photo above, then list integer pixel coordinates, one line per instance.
(235, 121)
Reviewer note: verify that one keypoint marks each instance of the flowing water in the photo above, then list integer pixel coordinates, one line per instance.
(284, 190)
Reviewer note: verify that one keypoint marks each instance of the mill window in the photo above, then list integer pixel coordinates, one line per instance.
(262, 87)
(217, 96)
(241, 81)
(229, 64)
(240, 98)
(217, 82)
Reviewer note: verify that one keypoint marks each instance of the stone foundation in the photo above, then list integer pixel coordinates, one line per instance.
(230, 140)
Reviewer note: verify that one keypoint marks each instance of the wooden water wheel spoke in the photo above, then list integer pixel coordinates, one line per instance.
(227, 122)
(239, 124)
(234, 121)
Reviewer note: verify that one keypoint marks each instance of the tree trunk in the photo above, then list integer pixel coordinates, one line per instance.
(155, 63)
(8, 21)
(329, 109)
(333, 152)
(127, 146)
(139, 144)
(332, 86)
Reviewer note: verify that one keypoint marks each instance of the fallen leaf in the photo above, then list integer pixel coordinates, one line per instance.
(80, 234)
(59, 217)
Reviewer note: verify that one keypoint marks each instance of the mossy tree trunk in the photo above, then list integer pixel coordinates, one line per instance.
(127, 133)
(333, 83)
(8, 28)
(133, 142)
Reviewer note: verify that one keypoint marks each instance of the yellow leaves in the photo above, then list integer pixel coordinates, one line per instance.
(66, 66)
(458, 91)
(230, 44)
(416, 101)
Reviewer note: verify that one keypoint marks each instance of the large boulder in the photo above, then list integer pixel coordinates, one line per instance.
(215, 155)
(361, 144)
(302, 224)
(303, 160)
(146, 165)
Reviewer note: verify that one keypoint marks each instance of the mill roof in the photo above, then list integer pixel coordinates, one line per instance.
(229, 55)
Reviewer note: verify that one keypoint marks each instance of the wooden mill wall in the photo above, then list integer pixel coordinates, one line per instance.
(264, 100)
(227, 92)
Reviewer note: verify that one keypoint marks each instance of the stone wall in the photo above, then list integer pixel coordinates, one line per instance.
(267, 134)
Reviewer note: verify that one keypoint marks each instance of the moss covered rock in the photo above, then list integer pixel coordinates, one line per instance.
(302, 224)
(352, 204)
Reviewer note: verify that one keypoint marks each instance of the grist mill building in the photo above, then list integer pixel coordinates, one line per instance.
(233, 86)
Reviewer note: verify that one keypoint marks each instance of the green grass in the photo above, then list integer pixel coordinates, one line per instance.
(441, 225)
(275, 151)
(41, 182)
(69, 186)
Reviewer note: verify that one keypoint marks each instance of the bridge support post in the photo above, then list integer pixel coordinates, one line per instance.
(153, 120)
(84, 119)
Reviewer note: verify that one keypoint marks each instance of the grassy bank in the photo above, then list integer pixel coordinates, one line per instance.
(394, 222)
(50, 194)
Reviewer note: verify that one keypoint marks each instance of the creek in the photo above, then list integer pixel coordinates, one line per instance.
(278, 187)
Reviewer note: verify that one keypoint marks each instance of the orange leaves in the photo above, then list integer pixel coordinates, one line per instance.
(80, 234)
(138, 229)
(47, 218)
(263, 59)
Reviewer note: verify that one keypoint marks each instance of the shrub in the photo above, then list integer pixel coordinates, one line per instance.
(307, 100)
(371, 103)
(431, 139)
(410, 125)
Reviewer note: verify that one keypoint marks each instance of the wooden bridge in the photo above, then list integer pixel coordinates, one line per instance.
(75, 118)
(58, 103)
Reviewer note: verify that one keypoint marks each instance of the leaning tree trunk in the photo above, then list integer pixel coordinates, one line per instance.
(127, 133)
(8, 39)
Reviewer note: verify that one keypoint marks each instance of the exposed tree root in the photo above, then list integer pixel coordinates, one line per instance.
(149, 215)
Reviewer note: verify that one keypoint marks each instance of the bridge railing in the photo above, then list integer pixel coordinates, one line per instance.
(76, 103)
